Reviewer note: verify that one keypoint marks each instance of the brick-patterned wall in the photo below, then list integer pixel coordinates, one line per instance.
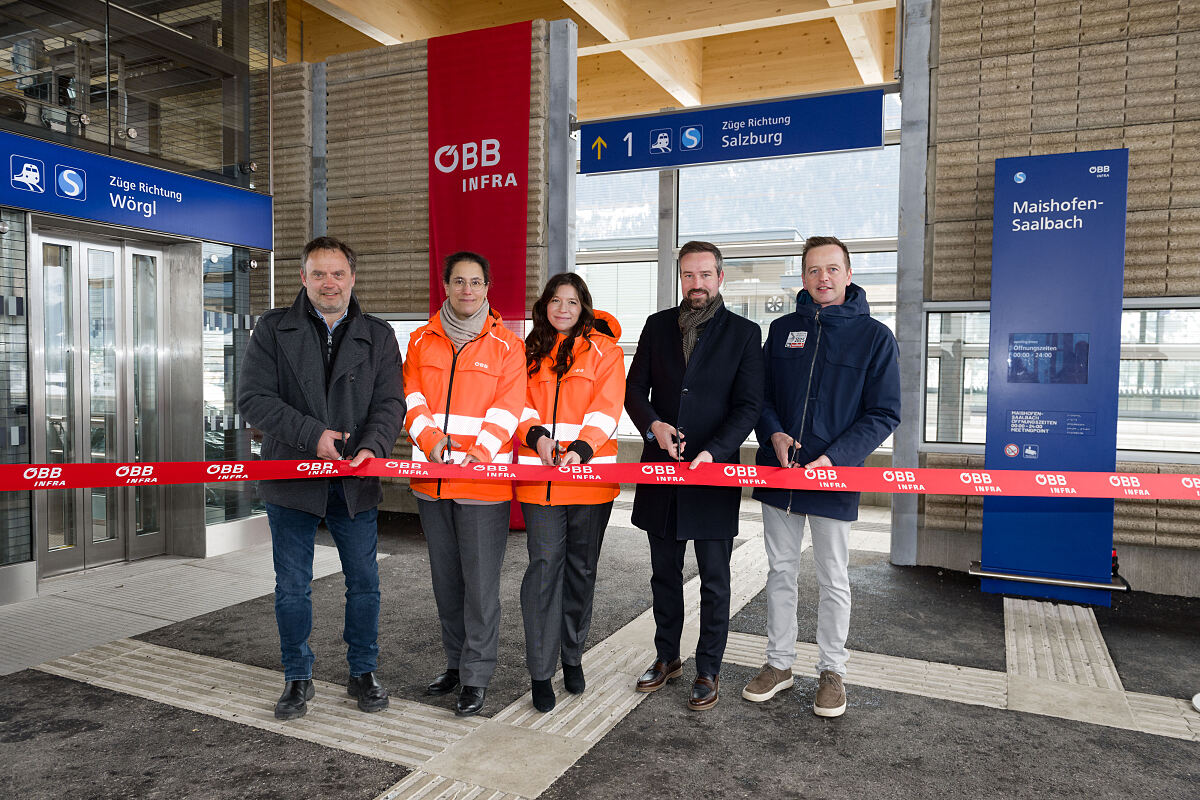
(1022, 77)
(378, 145)
(1018, 78)
(293, 172)
(16, 531)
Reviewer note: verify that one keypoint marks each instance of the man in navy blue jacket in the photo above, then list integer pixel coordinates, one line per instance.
(832, 396)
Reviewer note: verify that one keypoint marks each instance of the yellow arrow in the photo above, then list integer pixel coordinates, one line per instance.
(599, 146)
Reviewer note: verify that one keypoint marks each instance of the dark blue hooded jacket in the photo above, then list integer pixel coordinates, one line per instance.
(833, 384)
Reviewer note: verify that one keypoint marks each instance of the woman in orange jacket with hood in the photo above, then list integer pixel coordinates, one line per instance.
(573, 400)
(465, 383)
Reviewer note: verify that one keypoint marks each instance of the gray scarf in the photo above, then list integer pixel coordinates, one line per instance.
(691, 320)
(462, 330)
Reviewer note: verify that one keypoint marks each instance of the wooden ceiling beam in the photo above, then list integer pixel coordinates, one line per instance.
(685, 26)
(864, 40)
(675, 66)
(390, 21)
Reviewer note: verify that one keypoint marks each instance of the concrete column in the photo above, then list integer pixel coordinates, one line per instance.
(910, 270)
(668, 234)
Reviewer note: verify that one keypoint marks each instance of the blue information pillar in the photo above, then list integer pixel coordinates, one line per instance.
(1058, 259)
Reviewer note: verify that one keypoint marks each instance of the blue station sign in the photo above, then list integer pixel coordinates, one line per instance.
(47, 177)
(822, 124)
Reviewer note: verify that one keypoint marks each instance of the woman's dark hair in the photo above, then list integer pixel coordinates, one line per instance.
(540, 341)
(465, 255)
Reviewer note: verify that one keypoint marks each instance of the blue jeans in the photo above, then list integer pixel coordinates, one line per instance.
(292, 537)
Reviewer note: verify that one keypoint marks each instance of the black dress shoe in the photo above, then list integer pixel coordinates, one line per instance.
(445, 683)
(293, 703)
(658, 673)
(704, 692)
(371, 694)
(543, 695)
(470, 700)
(573, 678)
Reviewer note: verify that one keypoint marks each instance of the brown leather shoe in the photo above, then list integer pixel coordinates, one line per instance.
(658, 673)
(704, 693)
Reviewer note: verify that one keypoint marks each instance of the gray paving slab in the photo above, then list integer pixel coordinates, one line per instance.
(914, 612)
(887, 746)
(60, 738)
(1154, 641)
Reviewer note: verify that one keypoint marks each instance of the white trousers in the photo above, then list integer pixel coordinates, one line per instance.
(784, 537)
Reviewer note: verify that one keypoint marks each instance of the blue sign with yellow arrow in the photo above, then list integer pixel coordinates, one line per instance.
(820, 124)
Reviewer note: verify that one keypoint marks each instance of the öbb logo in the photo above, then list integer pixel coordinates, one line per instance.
(899, 476)
(1189, 482)
(135, 471)
(316, 467)
(740, 471)
(975, 477)
(1128, 481)
(42, 473)
(821, 474)
(1099, 169)
(657, 469)
(225, 469)
(474, 154)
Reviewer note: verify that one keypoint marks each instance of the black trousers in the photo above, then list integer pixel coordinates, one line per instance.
(666, 584)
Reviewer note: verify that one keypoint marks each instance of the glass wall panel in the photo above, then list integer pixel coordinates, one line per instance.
(1158, 388)
(163, 83)
(848, 195)
(617, 212)
(16, 526)
(227, 324)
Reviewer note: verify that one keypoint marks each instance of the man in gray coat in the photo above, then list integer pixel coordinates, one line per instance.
(321, 380)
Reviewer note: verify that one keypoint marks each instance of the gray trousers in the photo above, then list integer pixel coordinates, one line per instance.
(783, 535)
(560, 581)
(466, 550)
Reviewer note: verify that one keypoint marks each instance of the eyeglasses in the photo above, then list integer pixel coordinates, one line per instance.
(462, 283)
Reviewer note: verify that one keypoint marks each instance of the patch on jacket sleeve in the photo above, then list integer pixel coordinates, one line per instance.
(796, 339)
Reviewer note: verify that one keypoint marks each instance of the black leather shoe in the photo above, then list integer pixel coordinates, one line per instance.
(371, 694)
(470, 700)
(445, 683)
(543, 695)
(704, 692)
(293, 703)
(658, 673)
(573, 678)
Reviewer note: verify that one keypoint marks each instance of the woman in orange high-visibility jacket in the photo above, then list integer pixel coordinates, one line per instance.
(576, 389)
(465, 380)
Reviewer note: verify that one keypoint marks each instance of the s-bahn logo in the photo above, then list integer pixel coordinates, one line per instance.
(70, 182)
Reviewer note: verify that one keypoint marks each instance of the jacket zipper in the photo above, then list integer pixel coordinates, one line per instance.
(812, 365)
(554, 427)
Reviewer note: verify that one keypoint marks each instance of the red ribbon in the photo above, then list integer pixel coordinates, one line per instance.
(984, 483)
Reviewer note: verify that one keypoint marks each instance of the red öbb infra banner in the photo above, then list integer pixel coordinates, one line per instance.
(982, 483)
(479, 157)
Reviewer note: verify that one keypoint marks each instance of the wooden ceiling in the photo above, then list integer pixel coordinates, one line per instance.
(638, 56)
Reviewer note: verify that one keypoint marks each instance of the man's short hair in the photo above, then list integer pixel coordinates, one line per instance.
(703, 247)
(465, 255)
(329, 243)
(821, 241)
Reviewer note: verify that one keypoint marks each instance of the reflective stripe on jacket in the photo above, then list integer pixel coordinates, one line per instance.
(475, 396)
(589, 400)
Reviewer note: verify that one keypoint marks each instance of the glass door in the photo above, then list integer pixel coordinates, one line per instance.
(98, 343)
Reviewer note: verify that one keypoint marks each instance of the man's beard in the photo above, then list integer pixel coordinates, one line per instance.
(697, 301)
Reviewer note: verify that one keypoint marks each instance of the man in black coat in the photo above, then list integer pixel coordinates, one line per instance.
(695, 391)
(321, 380)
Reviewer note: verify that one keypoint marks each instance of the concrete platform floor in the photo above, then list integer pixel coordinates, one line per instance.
(157, 679)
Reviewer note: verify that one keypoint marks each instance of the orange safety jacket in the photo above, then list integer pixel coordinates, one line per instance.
(583, 406)
(475, 396)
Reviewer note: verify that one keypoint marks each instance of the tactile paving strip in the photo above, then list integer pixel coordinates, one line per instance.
(405, 733)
